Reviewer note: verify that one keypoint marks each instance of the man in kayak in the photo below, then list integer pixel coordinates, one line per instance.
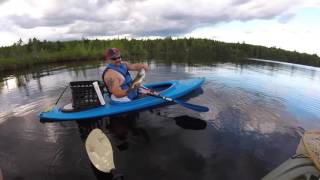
(117, 78)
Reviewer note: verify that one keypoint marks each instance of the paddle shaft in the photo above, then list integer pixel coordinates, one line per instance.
(182, 103)
(163, 97)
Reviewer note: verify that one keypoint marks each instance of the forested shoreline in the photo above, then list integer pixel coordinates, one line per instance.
(33, 52)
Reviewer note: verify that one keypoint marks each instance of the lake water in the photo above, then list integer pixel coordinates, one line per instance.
(257, 111)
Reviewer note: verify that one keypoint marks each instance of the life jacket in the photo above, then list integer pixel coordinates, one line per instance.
(123, 70)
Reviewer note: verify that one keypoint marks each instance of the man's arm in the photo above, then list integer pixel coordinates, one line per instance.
(137, 67)
(113, 85)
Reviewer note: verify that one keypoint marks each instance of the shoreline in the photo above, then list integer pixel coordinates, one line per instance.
(190, 50)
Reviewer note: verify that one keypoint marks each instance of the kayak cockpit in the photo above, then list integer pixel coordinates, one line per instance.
(159, 87)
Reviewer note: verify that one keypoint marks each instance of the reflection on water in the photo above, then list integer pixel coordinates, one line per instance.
(257, 110)
(187, 122)
(121, 128)
(296, 88)
(38, 88)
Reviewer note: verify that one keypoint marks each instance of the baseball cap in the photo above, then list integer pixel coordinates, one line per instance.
(112, 53)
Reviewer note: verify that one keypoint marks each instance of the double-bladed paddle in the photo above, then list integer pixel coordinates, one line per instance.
(182, 103)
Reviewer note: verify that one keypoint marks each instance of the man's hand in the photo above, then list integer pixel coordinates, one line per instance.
(145, 67)
(137, 67)
(135, 85)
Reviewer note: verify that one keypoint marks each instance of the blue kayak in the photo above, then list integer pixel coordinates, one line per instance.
(172, 89)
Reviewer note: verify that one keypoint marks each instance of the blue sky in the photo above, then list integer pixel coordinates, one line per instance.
(287, 24)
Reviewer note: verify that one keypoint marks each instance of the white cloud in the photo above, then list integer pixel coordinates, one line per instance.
(135, 18)
(147, 14)
(271, 34)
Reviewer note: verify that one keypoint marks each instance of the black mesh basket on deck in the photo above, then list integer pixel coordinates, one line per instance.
(84, 95)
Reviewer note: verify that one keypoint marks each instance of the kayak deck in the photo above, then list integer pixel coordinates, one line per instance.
(172, 89)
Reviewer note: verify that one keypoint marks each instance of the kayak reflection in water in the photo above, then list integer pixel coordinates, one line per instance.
(118, 80)
(121, 129)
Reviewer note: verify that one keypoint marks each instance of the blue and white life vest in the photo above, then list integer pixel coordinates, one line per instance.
(123, 70)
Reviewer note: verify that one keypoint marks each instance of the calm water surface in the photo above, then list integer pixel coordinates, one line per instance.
(257, 110)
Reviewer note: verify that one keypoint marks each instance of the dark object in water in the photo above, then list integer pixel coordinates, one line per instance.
(1, 178)
(187, 122)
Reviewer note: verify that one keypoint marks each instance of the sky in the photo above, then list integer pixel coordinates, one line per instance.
(287, 24)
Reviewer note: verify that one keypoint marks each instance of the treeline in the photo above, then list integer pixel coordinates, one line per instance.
(21, 55)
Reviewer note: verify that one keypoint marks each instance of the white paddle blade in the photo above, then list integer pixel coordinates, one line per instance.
(99, 150)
